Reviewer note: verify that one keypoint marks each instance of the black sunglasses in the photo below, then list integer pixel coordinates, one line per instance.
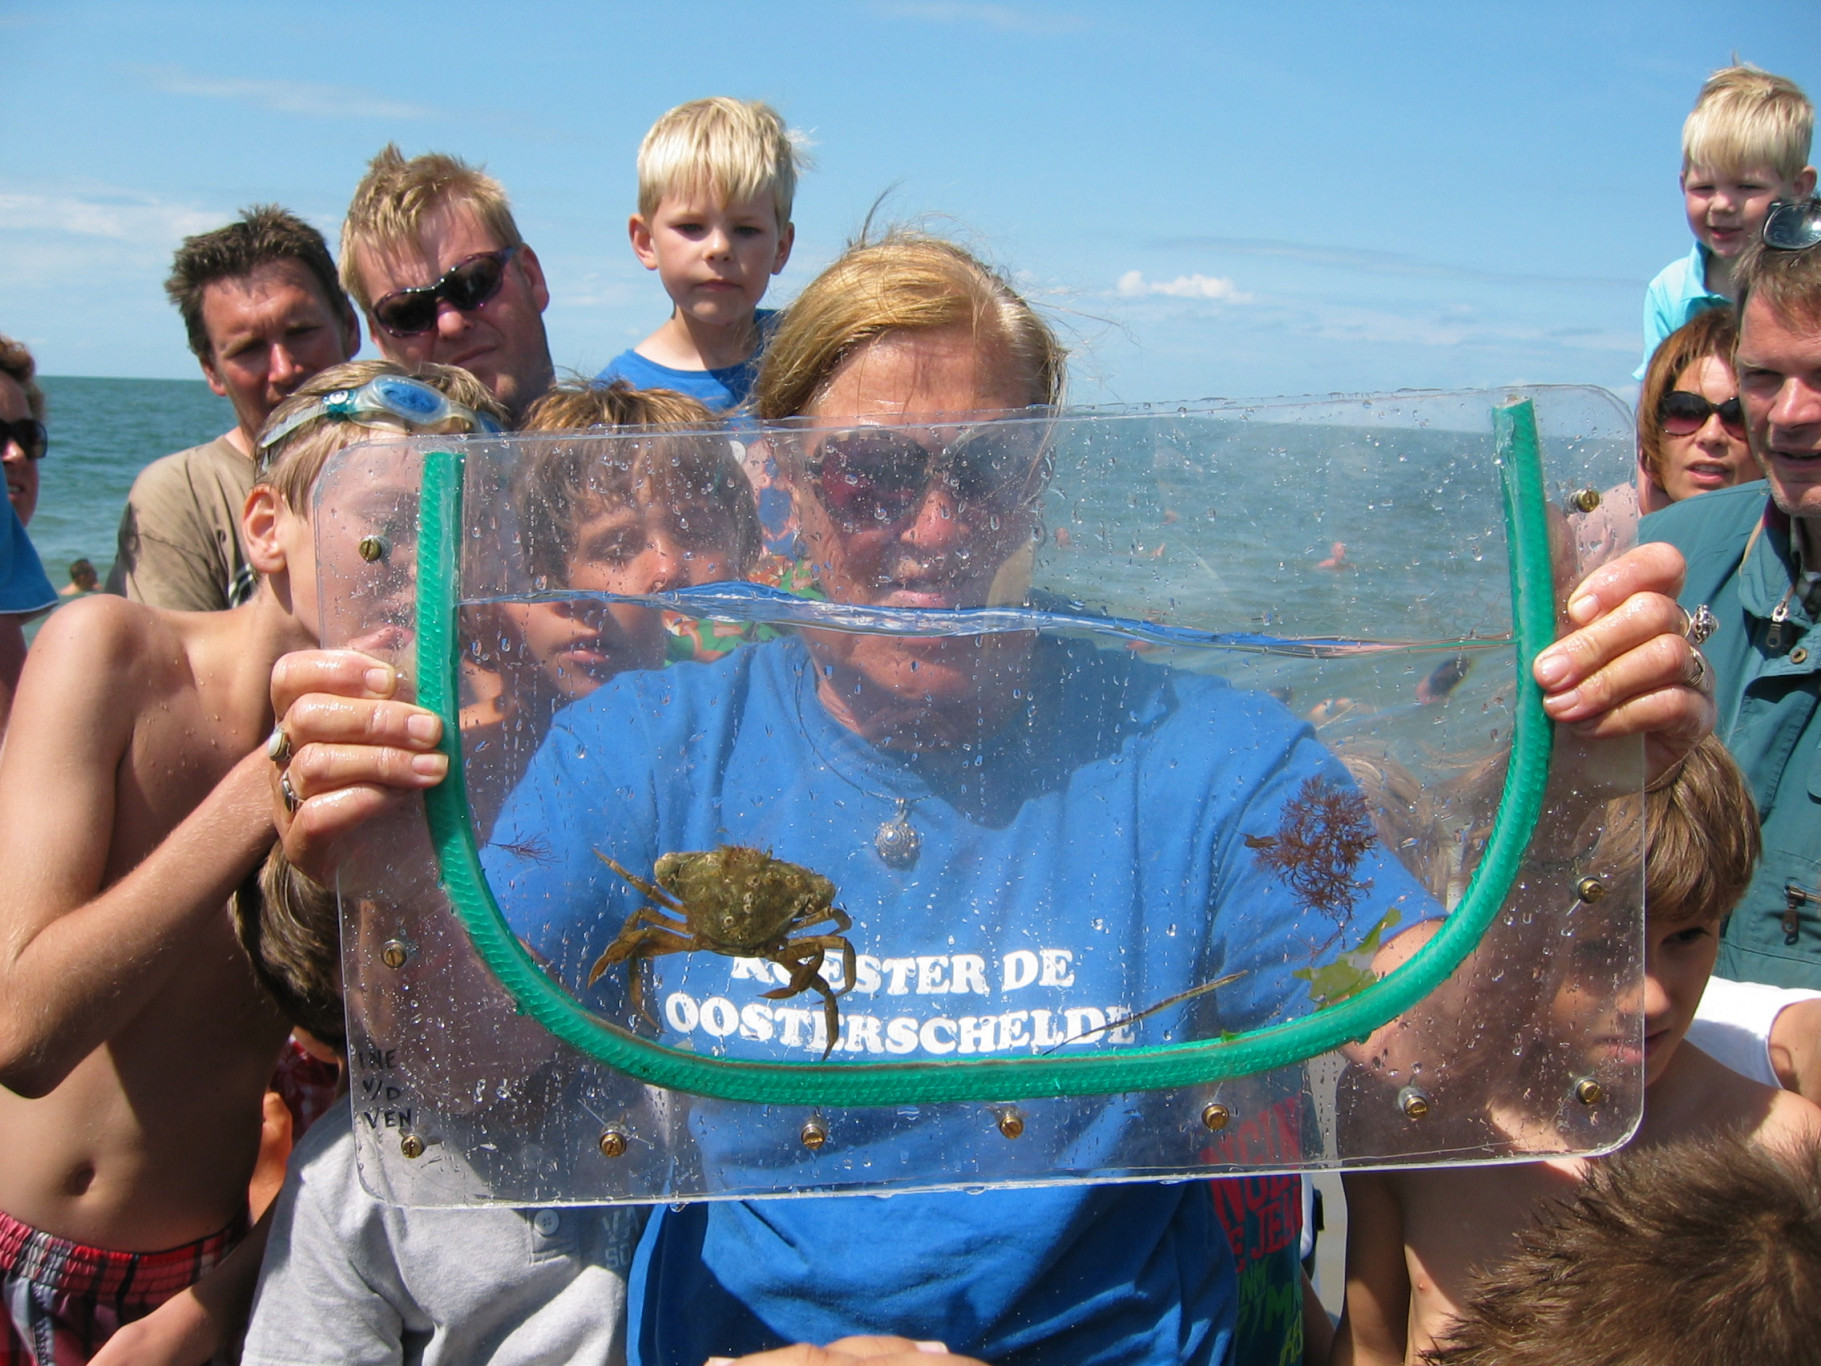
(1793, 224)
(1684, 414)
(467, 285)
(876, 476)
(27, 433)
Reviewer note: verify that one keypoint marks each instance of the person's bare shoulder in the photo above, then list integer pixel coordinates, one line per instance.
(1697, 1096)
(1794, 1122)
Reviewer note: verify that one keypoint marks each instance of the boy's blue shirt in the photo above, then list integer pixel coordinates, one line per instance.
(1675, 296)
(1139, 812)
(718, 390)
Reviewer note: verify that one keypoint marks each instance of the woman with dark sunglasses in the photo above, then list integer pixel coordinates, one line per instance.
(1691, 431)
(968, 793)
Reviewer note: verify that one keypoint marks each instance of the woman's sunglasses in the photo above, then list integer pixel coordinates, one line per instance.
(1684, 414)
(875, 477)
(27, 433)
(467, 285)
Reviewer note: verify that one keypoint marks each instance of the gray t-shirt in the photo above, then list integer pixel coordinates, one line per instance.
(180, 541)
(348, 1279)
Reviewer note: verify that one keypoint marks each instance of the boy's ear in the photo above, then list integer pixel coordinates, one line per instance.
(640, 233)
(1805, 182)
(786, 240)
(259, 524)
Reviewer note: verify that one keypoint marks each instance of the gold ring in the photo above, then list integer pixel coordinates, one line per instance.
(278, 745)
(289, 793)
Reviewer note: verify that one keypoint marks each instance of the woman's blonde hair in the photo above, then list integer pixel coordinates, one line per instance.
(904, 282)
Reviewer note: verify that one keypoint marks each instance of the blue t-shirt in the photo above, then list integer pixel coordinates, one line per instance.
(1091, 863)
(1674, 297)
(719, 390)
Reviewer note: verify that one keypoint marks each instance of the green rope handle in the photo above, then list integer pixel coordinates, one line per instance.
(1146, 1068)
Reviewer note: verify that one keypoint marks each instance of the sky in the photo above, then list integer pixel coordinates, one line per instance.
(1210, 199)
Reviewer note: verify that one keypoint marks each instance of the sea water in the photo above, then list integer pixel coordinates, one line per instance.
(103, 432)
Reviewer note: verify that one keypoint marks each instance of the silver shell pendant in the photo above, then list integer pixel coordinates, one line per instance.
(897, 841)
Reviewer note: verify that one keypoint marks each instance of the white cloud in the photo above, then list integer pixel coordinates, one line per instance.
(286, 97)
(1005, 18)
(1133, 285)
(122, 215)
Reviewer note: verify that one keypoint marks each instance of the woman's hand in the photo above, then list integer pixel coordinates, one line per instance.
(350, 751)
(1627, 668)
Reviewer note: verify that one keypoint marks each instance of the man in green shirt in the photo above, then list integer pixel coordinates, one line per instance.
(1754, 582)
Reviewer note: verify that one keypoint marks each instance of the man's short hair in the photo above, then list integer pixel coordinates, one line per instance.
(16, 361)
(263, 234)
(395, 197)
(1745, 118)
(733, 149)
(1703, 1253)
(1790, 282)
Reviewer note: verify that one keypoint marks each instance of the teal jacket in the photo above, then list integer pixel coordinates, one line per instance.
(1767, 678)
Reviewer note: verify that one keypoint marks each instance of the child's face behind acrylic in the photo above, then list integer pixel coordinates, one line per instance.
(1678, 959)
(1726, 209)
(641, 547)
(715, 257)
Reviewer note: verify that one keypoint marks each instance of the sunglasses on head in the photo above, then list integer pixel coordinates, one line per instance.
(1793, 224)
(1684, 414)
(27, 433)
(467, 285)
(877, 476)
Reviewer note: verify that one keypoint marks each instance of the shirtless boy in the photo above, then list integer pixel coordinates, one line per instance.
(1415, 1238)
(135, 1046)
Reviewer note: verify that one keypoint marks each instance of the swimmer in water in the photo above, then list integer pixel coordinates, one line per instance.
(1336, 560)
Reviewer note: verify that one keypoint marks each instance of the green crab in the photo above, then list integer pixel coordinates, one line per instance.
(740, 902)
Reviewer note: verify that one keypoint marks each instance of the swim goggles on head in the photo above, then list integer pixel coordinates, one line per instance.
(389, 401)
(1793, 224)
(467, 285)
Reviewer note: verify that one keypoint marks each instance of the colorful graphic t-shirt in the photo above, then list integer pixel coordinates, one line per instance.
(1082, 859)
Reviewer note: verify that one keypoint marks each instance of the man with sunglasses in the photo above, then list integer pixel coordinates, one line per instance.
(1754, 596)
(431, 253)
(264, 314)
(24, 589)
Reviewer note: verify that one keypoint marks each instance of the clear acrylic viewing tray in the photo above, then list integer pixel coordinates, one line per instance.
(1077, 796)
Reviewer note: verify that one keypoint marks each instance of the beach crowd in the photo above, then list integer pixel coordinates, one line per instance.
(184, 771)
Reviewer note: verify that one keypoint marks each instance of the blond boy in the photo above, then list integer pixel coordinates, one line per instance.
(135, 1044)
(1415, 1238)
(1744, 146)
(716, 182)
